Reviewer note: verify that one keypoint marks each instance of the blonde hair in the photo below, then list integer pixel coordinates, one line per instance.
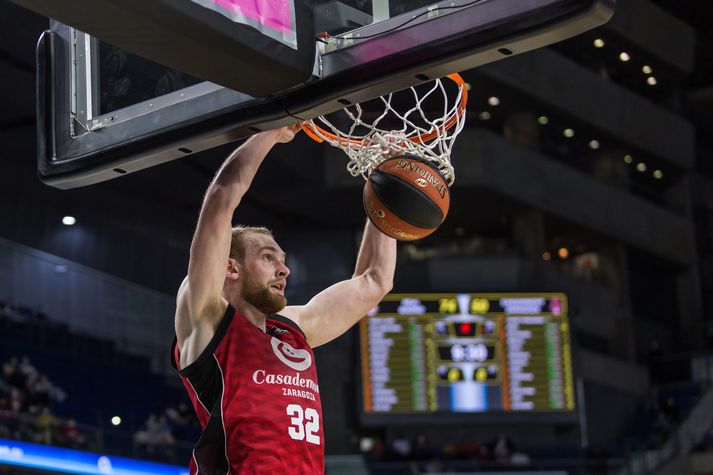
(237, 241)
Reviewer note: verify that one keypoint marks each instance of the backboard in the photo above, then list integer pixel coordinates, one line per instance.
(104, 112)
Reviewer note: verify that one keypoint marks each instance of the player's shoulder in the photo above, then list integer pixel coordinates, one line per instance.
(293, 313)
(284, 322)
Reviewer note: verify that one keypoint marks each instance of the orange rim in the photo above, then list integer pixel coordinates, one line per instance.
(314, 131)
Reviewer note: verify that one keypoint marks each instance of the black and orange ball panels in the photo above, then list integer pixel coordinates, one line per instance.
(406, 198)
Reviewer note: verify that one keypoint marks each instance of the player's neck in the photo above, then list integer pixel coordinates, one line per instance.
(254, 316)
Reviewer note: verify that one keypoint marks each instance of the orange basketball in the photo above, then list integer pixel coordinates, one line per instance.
(406, 198)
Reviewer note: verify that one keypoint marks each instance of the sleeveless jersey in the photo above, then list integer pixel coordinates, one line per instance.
(257, 399)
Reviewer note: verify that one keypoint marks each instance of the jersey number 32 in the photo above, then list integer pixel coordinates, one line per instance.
(304, 423)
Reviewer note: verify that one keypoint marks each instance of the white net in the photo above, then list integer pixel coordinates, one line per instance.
(368, 142)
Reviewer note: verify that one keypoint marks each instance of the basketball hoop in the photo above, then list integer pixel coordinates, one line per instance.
(368, 145)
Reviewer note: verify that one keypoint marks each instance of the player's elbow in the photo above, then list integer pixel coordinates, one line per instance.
(387, 285)
(380, 285)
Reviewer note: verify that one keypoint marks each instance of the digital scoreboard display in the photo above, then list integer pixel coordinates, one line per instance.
(465, 353)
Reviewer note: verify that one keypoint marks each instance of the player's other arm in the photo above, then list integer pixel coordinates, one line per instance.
(337, 308)
(200, 303)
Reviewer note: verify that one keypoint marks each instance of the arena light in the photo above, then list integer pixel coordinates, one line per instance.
(624, 57)
(641, 167)
(468, 86)
(651, 81)
(563, 253)
(628, 159)
(69, 221)
(546, 256)
(599, 43)
(485, 115)
(569, 133)
(594, 144)
(116, 420)
(647, 69)
(658, 174)
(494, 101)
(543, 120)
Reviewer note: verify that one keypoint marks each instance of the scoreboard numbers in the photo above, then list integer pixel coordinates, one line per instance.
(439, 353)
(479, 306)
(448, 306)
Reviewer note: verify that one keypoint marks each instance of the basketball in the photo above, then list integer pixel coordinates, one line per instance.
(406, 198)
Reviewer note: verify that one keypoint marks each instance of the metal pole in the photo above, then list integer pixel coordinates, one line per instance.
(582, 405)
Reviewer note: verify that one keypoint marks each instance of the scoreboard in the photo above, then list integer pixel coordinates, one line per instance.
(465, 353)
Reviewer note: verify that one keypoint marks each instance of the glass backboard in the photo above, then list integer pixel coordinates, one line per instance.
(104, 112)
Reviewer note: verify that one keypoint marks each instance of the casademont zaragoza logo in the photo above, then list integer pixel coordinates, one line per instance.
(296, 359)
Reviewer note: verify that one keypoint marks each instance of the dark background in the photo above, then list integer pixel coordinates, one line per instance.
(639, 270)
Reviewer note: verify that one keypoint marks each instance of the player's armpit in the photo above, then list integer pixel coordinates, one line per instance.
(194, 332)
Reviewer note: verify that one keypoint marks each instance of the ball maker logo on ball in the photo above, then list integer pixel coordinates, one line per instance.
(426, 176)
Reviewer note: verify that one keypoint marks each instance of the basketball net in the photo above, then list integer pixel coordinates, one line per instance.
(367, 144)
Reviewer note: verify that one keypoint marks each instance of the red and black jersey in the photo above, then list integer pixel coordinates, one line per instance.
(257, 400)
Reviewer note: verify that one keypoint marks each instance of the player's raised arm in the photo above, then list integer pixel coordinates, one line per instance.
(337, 308)
(200, 302)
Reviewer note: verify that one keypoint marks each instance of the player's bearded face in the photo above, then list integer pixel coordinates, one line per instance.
(261, 297)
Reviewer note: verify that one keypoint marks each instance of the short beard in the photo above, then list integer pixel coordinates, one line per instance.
(260, 297)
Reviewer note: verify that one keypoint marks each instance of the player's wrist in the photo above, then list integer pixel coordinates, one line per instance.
(271, 136)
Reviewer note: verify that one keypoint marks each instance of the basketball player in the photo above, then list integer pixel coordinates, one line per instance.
(249, 371)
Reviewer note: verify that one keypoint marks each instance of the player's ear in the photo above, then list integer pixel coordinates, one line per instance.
(232, 269)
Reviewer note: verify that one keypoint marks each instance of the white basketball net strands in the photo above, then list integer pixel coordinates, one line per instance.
(429, 138)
